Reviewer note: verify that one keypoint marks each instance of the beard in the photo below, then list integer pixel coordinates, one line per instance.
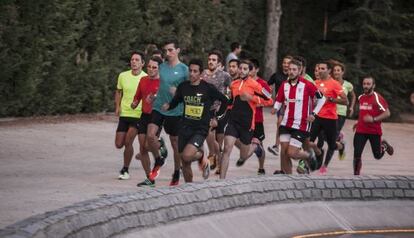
(292, 77)
(368, 90)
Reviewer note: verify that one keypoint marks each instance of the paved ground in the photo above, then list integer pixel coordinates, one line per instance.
(49, 163)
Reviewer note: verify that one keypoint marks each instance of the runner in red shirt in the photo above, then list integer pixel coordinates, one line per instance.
(146, 91)
(296, 95)
(372, 110)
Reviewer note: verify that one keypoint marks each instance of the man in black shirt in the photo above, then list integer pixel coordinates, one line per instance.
(277, 79)
(198, 96)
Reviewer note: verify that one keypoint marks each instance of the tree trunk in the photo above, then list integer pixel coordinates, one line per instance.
(360, 45)
(274, 13)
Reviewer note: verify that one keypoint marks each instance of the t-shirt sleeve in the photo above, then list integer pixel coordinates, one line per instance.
(280, 96)
(338, 88)
(138, 94)
(350, 87)
(382, 104)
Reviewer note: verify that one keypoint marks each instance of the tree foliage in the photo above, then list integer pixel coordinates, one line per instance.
(64, 56)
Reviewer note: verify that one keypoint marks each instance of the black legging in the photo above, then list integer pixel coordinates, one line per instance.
(359, 143)
(340, 122)
(328, 127)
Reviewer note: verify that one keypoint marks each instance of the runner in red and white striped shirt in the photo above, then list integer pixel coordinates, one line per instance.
(296, 94)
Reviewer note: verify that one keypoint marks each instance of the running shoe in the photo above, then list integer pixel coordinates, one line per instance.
(175, 180)
(155, 172)
(204, 166)
(387, 147)
(302, 167)
(319, 159)
(146, 182)
(261, 172)
(279, 172)
(323, 170)
(312, 161)
(258, 151)
(217, 171)
(342, 151)
(240, 162)
(123, 175)
(213, 161)
(163, 148)
(274, 149)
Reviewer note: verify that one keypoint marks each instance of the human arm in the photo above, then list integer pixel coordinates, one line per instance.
(353, 100)
(118, 97)
(137, 97)
(342, 99)
(371, 119)
(177, 99)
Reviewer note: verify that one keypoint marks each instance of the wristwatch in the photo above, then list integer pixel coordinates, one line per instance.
(330, 99)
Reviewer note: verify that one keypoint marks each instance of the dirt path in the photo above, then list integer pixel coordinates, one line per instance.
(48, 163)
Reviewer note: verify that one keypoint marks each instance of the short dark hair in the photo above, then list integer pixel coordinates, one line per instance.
(218, 53)
(248, 62)
(140, 53)
(328, 64)
(157, 52)
(156, 59)
(300, 59)
(255, 63)
(296, 62)
(234, 46)
(368, 76)
(235, 60)
(171, 41)
(198, 62)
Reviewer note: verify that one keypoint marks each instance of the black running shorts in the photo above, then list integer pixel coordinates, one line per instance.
(125, 123)
(171, 123)
(244, 135)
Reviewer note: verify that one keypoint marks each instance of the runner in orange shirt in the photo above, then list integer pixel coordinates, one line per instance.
(325, 120)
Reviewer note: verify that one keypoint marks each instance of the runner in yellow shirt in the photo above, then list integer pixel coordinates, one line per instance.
(128, 117)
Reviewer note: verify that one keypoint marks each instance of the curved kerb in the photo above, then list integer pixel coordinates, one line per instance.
(114, 215)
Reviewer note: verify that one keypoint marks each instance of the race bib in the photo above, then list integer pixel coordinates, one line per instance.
(193, 112)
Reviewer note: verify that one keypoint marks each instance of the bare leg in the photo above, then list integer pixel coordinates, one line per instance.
(129, 149)
(177, 158)
(190, 154)
(152, 140)
(228, 147)
(144, 155)
(285, 162)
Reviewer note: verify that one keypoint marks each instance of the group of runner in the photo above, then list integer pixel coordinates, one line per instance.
(225, 109)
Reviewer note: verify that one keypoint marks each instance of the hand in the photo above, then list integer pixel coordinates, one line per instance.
(351, 112)
(134, 104)
(354, 126)
(310, 118)
(150, 98)
(172, 90)
(273, 111)
(246, 97)
(368, 118)
(165, 107)
(117, 111)
(213, 122)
